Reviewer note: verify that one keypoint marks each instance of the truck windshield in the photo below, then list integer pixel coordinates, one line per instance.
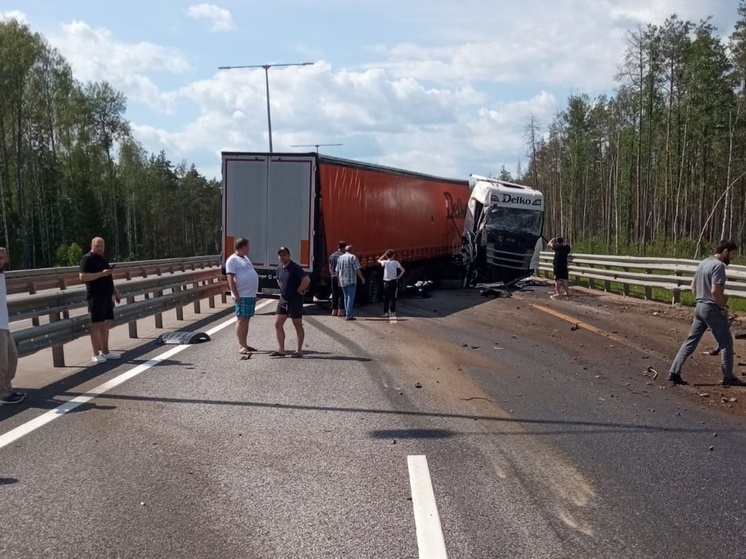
(515, 220)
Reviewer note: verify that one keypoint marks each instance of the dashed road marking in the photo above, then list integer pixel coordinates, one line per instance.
(430, 541)
(31, 426)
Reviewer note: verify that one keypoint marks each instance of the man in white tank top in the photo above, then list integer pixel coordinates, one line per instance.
(392, 273)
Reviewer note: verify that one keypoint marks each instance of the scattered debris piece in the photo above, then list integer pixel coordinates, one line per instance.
(704, 394)
(651, 371)
(575, 327)
(733, 400)
(711, 448)
(475, 347)
(417, 385)
(475, 398)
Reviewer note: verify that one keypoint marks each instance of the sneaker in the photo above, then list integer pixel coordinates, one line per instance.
(112, 355)
(733, 382)
(13, 398)
(351, 318)
(385, 315)
(393, 315)
(676, 379)
(98, 359)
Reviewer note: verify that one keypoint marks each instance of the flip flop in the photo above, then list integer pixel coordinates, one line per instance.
(245, 356)
(245, 350)
(277, 354)
(297, 355)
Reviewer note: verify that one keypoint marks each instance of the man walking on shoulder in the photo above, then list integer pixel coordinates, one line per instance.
(95, 272)
(8, 351)
(244, 283)
(293, 283)
(708, 287)
(348, 272)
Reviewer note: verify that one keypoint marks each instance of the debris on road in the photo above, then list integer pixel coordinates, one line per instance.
(475, 398)
(575, 327)
(418, 385)
(652, 372)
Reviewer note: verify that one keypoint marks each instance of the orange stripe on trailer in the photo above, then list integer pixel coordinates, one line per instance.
(230, 247)
(305, 253)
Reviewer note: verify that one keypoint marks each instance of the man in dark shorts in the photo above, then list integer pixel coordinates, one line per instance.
(293, 283)
(561, 271)
(95, 272)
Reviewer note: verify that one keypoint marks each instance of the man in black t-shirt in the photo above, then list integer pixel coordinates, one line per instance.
(293, 283)
(95, 272)
(561, 271)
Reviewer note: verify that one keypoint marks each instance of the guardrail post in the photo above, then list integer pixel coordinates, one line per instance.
(676, 292)
(211, 298)
(648, 289)
(197, 307)
(179, 308)
(32, 291)
(591, 281)
(625, 285)
(159, 316)
(607, 283)
(58, 351)
(132, 325)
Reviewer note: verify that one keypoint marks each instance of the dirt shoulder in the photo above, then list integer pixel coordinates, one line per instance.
(652, 333)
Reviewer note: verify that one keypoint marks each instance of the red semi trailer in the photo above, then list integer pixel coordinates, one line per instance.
(309, 202)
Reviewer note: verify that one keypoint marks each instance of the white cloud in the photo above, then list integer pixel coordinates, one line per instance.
(455, 98)
(96, 55)
(222, 20)
(20, 17)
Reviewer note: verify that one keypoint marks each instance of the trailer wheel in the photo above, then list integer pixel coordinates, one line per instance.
(373, 287)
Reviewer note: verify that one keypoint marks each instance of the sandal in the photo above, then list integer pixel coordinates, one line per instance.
(277, 354)
(245, 350)
(297, 355)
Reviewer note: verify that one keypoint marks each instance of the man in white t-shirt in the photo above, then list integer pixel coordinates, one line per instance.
(8, 352)
(243, 282)
(392, 273)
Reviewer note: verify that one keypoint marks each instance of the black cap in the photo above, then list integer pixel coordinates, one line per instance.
(283, 249)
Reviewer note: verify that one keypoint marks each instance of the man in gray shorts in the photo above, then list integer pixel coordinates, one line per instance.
(708, 287)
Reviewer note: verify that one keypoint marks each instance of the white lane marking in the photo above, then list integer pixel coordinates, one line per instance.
(430, 539)
(30, 426)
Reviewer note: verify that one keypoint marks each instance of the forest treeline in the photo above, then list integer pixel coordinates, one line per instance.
(70, 169)
(659, 167)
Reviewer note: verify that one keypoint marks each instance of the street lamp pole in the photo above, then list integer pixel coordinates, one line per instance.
(266, 68)
(313, 146)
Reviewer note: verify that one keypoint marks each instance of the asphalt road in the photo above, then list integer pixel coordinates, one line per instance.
(541, 440)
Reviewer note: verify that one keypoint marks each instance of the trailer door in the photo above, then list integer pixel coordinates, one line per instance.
(269, 200)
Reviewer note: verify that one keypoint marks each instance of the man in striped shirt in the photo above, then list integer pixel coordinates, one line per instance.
(348, 272)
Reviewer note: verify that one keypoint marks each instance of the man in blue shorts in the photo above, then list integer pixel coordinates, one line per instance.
(243, 282)
(293, 283)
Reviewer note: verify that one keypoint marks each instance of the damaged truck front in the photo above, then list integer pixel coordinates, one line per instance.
(502, 227)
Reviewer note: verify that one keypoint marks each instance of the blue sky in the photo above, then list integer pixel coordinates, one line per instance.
(445, 88)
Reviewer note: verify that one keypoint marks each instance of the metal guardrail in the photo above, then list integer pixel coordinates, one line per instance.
(32, 281)
(186, 281)
(670, 274)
